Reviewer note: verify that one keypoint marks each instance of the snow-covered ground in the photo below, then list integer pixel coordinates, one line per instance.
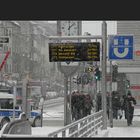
(124, 132)
(56, 112)
(44, 131)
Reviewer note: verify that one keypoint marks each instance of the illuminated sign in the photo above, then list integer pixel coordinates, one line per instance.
(62, 52)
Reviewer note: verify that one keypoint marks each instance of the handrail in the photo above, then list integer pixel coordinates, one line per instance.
(84, 127)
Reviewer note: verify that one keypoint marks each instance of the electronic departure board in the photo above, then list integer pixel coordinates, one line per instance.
(62, 52)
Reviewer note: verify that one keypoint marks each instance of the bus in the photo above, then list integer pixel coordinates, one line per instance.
(7, 110)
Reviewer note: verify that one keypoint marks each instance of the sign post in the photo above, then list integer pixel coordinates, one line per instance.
(91, 54)
(103, 86)
(120, 48)
(72, 52)
(110, 98)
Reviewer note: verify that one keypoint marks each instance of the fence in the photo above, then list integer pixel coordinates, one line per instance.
(86, 127)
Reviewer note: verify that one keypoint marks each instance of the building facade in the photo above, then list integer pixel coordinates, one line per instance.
(29, 49)
(132, 28)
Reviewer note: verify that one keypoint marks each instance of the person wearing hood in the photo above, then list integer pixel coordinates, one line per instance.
(128, 105)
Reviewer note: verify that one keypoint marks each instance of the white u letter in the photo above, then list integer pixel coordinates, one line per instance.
(120, 55)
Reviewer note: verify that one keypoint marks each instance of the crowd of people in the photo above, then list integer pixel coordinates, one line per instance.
(81, 105)
(120, 105)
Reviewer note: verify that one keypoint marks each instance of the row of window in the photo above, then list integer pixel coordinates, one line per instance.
(5, 31)
(8, 68)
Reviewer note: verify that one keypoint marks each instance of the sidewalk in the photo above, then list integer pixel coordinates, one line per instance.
(44, 131)
(124, 132)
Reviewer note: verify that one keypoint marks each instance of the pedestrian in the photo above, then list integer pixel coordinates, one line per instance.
(88, 104)
(108, 105)
(115, 105)
(98, 102)
(129, 104)
(73, 101)
(81, 105)
(123, 107)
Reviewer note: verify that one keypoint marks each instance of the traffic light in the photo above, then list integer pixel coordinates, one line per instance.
(127, 83)
(97, 74)
(114, 73)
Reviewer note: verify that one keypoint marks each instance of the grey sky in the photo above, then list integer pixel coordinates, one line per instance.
(94, 27)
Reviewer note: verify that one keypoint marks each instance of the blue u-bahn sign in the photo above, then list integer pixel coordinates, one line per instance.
(120, 47)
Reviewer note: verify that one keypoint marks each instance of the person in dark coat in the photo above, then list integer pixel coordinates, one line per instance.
(88, 105)
(73, 109)
(81, 105)
(116, 106)
(122, 105)
(99, 102)
(128, 105)
(108, 106)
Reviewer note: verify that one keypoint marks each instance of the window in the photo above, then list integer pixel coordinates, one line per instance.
(8, 31)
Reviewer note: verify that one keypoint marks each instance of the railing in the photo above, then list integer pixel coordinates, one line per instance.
(86, 127)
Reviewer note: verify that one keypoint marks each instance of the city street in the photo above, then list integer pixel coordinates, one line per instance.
(82, 76)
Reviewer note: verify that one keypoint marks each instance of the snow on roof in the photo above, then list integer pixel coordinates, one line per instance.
(16, 23)
(4, 95)
(32, 22)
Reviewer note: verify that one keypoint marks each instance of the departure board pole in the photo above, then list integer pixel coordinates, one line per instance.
(71, 52)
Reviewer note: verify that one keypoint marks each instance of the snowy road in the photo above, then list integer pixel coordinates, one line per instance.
(54, 116)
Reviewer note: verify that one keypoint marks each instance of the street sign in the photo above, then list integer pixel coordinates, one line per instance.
(74, 52)
(121, 47)
(4, 39)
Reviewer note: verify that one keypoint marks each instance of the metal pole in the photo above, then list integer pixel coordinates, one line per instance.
(110, 98)
(70, 99)
(65, 100)
(41, 115)
(104, 47)
(24, 96)
(14, 101)
(65, 79)
(41, 103)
